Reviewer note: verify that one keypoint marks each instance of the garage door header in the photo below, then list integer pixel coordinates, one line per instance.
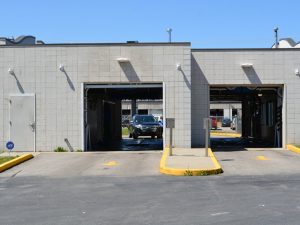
(131, 85)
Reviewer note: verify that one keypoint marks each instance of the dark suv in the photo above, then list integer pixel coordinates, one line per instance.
(145, 125)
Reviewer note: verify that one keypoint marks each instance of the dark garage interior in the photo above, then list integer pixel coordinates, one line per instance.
(261, 115)
(103, 120)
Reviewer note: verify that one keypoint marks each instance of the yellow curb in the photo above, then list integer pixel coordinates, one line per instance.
(293, 148)
(15, 162)
(225, 134)
(189, 172)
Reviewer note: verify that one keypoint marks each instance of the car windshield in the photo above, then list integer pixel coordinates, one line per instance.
(144, 119)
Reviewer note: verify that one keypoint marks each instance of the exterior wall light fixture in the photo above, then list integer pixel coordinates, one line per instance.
(11, 71)
(246, 65)
(178, 67)
(123, 60)
(297, 72)
(62, 68)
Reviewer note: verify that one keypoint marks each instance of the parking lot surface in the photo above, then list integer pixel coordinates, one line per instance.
(258, 161)
(141, 163)
(126, 188)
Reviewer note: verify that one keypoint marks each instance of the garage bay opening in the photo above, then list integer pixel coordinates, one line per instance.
(123, 116)
(246, 116)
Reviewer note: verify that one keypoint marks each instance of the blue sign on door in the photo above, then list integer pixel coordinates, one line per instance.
(10, 145)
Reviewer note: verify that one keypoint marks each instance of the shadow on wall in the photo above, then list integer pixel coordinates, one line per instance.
(252, 75)
(129, 72)
(187, 82)
(199, 99)
(69, 81)
(199, 77)
(21, 89)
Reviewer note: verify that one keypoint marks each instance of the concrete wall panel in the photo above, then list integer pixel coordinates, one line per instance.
(213, 67)
(58, 95)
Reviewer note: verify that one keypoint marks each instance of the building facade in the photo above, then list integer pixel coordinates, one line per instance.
(47, 85)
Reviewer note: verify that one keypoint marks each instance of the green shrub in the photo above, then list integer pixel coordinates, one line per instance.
(60, 149)
(4, 159)
(188, 173)
(125, 131)
(202, 173)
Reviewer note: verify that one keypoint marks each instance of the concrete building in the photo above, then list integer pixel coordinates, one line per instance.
(143, 107)
(54, 89)
(225, 109)
(70, 94)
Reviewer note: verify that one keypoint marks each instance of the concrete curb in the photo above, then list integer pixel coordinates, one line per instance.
(224, 134)
(15, 162)
(293, 148)
(189, 172)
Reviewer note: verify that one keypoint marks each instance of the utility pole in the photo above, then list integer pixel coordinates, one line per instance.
(276, 37)
(169, 30)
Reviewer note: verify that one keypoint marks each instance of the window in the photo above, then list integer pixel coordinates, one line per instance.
(125, 112)
(143, 111)
(234, 112)
(217, 112)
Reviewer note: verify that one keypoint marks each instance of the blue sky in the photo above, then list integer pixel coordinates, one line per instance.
(205, 23)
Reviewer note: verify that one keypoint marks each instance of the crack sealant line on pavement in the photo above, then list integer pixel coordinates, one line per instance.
(293, 148)
(187, 171)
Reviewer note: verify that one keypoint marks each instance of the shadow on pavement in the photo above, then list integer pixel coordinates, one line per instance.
(130, 144)
(229, 144)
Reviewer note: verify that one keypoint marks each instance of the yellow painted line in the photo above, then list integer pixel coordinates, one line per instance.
(261, 157)
(293, 148)
(186, 171)
(225, 134)
(15, 162)
(111, 163)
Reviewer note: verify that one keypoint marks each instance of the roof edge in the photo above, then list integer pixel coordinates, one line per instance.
(104, 44)
(242, 49)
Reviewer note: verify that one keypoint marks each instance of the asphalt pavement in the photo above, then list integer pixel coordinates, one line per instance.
(111, 163)
(258, 162)
(144, 197)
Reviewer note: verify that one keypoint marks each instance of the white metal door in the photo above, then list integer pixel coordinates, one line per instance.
(22, 122)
